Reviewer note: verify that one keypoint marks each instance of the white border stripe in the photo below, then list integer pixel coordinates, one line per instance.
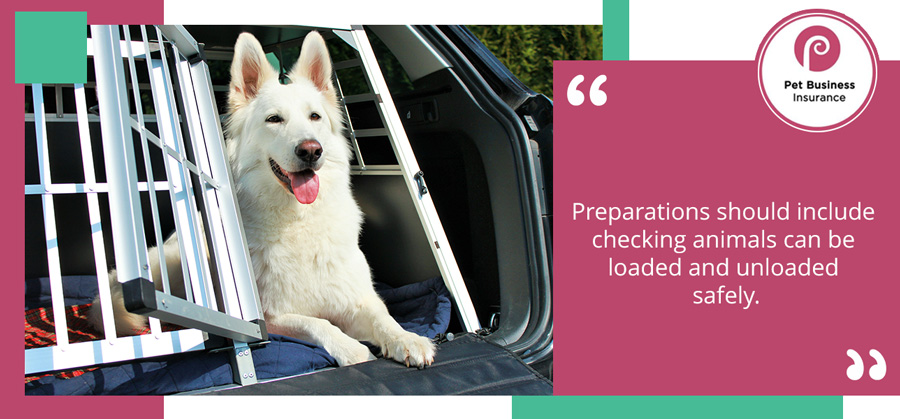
(871, 407)
(472, 12)
(369, 407)
(717, 30)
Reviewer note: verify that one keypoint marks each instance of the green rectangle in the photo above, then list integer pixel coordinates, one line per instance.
(615, 30)
(694, 407)
(51, 47)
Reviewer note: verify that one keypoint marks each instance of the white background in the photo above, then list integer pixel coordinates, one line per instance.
(727, 30)
(371, 12)
(660, 30)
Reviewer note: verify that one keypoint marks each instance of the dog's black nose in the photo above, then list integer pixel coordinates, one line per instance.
(309, 151)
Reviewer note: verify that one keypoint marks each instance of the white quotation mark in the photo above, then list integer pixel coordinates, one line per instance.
(879, 370)
(576, 98)
(856, 371)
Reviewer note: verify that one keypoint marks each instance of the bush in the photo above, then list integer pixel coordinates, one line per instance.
(529, 50)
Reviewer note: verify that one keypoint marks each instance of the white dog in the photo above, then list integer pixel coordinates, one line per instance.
(290, 163)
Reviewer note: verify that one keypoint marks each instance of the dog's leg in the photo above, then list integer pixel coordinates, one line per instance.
(346, 350)
(374, 324)
(128, 324)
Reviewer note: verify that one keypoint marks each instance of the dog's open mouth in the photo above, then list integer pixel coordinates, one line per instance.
(303, 184)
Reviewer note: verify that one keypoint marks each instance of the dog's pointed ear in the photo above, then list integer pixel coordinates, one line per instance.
(314, 63)
(249, 71)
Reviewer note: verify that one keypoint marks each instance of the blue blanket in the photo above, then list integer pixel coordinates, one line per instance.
(422, 308)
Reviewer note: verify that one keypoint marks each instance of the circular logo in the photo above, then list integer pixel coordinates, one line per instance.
(817, 70)
(817, 48)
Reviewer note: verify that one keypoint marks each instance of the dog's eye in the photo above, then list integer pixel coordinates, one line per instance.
(314, 117)
(274, 119)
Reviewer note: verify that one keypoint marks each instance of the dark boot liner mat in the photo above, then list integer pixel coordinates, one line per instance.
(466, 365)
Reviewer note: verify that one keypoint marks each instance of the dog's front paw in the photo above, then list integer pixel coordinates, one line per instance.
(350, 352)
(410, 349)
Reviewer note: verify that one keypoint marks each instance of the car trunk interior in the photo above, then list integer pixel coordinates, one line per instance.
(476, 171)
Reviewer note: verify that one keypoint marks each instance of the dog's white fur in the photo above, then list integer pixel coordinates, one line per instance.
(314, 282)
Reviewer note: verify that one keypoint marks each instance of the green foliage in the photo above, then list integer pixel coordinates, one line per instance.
(529, 50)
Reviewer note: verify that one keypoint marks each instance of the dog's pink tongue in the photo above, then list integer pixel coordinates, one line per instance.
(305, 186)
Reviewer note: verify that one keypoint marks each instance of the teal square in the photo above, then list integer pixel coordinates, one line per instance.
(51, 47)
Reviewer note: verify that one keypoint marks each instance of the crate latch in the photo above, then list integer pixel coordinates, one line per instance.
(420, 181)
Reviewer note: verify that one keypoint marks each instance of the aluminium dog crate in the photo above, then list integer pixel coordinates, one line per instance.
(157, 122)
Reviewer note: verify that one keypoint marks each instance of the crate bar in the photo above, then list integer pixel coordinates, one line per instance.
(362, 97)
(189, 237)
(355, 144)
(91, 85)
(139, 49)
(359, 157)
(70, 117)
(148, 166)
(423, 203)
(176, 175)
(197, 141)
(118, 149)
(371, 132)
(83, 354)
(235, 254)
(207, 190)
(70, 188)
(176, 310)
(174, 153)
(166, 124)
(377, 169)
(87, 158)
(366, 97)
(57, 89)
(202, 161)
(56, 289)
(180, 37)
